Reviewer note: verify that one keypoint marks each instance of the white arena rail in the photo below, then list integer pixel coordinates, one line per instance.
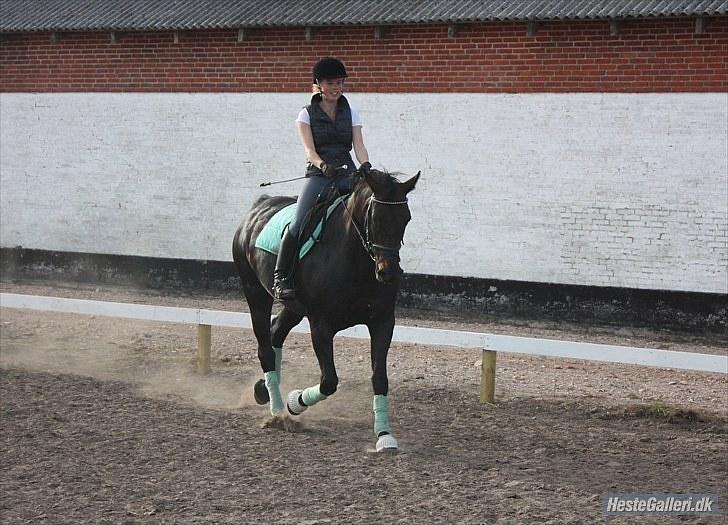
(490, 344)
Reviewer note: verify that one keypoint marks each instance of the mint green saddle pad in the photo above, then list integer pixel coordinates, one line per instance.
(270, 237)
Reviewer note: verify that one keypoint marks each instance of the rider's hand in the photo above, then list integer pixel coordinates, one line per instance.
(365, 167)
(327, 170)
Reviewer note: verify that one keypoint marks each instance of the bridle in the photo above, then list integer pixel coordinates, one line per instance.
(390, 252)
(372, 248)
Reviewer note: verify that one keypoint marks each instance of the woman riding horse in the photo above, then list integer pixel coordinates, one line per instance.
(328, 128)
(352, 275)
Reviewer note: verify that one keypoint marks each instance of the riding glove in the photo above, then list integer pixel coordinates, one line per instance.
(365, 167)
(327, 170)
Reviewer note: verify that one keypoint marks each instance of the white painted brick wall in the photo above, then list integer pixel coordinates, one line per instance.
(597, 189)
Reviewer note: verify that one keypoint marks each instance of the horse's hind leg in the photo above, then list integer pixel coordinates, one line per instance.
(261, 303)
(269, 389)
(281, 326)
(270, 336)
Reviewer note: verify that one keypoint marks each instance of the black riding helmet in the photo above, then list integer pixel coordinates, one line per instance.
(328, 68)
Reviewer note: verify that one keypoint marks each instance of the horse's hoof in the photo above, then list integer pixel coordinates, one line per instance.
(260, 392)
(295, 408)
(387, 444)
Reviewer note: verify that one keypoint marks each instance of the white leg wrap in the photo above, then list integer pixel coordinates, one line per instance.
(294, 407)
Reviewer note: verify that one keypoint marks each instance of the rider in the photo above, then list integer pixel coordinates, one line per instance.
(328, 128)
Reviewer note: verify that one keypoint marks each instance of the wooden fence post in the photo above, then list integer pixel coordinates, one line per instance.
(487, 377)
(204, 333)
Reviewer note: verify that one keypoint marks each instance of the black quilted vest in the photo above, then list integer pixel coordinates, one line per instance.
(333, 140)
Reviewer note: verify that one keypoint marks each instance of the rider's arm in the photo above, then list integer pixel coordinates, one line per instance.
(304, 131)
(362, 155)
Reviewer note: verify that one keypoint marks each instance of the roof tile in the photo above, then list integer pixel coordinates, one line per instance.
(95, 15)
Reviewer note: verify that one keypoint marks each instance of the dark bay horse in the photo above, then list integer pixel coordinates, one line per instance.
(351, 277)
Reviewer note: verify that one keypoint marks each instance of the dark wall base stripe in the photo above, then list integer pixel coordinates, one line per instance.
(692, 312)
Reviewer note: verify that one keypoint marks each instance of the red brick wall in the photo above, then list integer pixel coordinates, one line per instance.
(647, 56)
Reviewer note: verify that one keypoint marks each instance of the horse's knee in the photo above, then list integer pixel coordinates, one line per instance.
(328, 385)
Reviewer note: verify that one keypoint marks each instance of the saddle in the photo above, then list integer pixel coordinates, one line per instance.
(270, 236)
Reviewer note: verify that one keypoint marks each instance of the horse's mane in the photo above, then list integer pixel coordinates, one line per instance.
(389, 179)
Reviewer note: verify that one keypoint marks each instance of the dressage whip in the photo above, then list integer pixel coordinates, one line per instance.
(342, 167)
(281, 181)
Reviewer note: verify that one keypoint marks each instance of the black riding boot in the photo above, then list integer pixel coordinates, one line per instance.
(282, 275)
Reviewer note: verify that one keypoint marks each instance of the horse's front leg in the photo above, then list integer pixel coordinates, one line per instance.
(381, 337)
(322, 338)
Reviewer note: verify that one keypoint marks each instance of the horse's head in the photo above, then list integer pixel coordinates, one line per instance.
(386, 218)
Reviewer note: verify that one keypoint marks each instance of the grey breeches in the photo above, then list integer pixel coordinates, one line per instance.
(312, 188)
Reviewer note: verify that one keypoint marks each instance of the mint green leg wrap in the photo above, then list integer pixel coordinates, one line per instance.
(381, 414)
(273, 384)
(279, 358)
(312, 395)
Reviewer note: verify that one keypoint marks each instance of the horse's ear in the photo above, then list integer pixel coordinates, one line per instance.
(409, 185)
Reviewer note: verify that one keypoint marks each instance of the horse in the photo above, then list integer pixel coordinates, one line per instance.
(351, 277)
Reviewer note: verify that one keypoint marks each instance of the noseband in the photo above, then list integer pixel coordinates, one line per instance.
(372, 248)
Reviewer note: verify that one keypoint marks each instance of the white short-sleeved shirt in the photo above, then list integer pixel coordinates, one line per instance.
(304, 117)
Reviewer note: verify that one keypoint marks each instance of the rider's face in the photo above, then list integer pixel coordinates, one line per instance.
(332, 88)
